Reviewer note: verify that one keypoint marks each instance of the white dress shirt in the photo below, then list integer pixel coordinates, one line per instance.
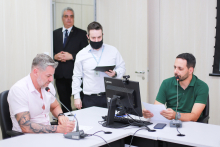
(64, 31)
(24, 97)
(85, 63)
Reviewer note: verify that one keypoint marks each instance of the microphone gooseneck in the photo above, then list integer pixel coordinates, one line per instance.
(77, 126)
(177, 79)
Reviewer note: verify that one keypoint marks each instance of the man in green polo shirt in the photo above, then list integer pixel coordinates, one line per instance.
(192, 92)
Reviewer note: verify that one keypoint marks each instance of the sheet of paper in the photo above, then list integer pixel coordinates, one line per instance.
(156, 109)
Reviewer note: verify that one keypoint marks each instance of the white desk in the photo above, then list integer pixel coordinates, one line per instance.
(86, 117)
(197, 134)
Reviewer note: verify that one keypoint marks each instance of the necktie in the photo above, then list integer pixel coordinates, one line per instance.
(65, 38)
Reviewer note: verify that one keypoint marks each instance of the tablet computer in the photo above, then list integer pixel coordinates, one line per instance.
(104, 68)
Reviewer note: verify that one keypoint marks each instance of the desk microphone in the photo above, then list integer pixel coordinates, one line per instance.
(76, 135)
(175, 122)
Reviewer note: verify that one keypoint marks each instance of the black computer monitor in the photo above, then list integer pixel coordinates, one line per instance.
(122, 95)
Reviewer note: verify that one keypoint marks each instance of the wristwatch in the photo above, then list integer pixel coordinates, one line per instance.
(60, 114)
(178, 116)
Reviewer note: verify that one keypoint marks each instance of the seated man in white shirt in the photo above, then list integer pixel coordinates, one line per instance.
(30, 103)
(95, 54)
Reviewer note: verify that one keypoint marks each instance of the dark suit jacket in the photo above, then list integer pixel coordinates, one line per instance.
(76, 41)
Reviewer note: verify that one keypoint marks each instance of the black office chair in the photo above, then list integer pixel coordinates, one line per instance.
(5, 119)
(205, 117)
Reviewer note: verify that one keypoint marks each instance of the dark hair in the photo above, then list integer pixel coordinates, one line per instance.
(190, 59)
(94, 26)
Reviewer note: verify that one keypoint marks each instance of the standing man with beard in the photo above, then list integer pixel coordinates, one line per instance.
(30, 103)
(67, 42)
(192, 92)
(95, 54)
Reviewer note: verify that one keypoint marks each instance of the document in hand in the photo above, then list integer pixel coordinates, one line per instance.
(104, 68)
(156, 109)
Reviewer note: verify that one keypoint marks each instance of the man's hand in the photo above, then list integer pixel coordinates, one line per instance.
(147, 113)
(59, 56)
(78, 103)
(66, 127)
(67, 56)
(168, 114)
(62, 119)
(63, 56)
(110, 73)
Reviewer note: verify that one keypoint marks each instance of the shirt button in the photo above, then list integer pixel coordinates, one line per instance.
(183, 93)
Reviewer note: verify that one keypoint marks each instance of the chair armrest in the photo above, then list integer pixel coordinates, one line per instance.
(203, 119)
(14, 133)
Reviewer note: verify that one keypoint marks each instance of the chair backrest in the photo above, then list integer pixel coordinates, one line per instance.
(205, 117)
(206, 109)
(5, 119)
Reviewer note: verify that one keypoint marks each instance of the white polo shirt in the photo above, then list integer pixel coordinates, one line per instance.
(24, 97)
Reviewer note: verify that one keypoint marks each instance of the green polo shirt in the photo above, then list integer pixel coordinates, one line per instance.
(196, 92)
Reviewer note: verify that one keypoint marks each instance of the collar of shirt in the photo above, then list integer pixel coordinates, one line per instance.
(192, 83)
(30, 84)
(90, 49)
(69, 29)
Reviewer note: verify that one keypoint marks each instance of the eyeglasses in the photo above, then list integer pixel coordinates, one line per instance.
(66, 16)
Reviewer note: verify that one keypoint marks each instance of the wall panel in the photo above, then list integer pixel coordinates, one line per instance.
(25, 28)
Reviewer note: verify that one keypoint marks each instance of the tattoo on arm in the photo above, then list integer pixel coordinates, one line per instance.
(27, 126)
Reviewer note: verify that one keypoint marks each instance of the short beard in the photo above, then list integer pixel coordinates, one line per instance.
(40, 83)
(184, 77)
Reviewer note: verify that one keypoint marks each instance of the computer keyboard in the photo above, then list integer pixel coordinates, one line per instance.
(134, 122)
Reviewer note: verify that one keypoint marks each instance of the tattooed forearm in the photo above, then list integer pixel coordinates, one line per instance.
(27, 126)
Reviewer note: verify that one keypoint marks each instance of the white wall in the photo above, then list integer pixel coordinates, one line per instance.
(125, 27)
(23, 35)
(25, 31)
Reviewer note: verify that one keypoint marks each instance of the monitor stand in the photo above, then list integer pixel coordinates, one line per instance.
(111, 114)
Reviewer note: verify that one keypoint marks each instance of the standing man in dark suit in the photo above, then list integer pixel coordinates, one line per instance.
(67, 42)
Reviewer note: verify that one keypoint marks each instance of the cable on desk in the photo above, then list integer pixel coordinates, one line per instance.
(102, 139)
(97, 132)
(99, 136)
(179, 132)
(134, 134)
(149, 130)
(101, 122)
